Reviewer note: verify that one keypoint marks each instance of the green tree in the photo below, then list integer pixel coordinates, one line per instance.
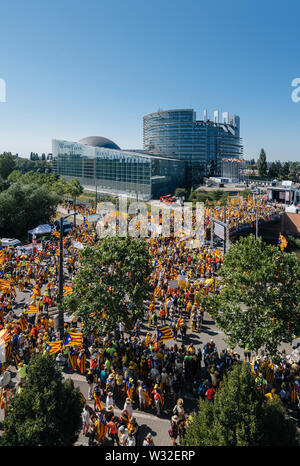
(294, 171)
(262, 163)
(259, 303)
(23, 207)
(75, 189)
(273, 171)
(47, 412)
(111, 284)
(7, 164)
(14, 176)
(181, 192)
(240, 415)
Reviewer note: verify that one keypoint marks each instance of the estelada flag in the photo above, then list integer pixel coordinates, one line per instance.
(23, 323)
(73, 339)
(73, 360)
(102, 428)
(31, 310)
(164, 333)
(81, 362)
(67, 290)
(98, 402)
(53, 346)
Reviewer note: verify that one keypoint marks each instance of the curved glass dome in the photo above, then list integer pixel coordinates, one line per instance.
(98, 141)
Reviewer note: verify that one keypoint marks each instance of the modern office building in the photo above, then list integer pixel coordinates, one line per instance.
(200, 144)
(99, 162)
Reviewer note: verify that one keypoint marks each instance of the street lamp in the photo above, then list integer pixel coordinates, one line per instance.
(61, 276)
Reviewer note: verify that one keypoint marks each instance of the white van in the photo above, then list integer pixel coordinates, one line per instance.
(10, 242)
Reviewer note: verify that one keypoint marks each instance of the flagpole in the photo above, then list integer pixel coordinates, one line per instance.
(61, 277)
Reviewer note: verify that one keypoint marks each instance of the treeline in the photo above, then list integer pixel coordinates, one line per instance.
(209, 197)
(9, 163)
(30, 198)
(275, 170)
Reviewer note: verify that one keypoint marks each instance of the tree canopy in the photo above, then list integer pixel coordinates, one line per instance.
(23, 207)
(262, 163)
(240, 415)
(47, 411)
(111, 284)
(259, 303)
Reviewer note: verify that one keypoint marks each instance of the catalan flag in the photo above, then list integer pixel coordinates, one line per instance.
(164, 333)
(294, 397)
(54, 346)
(67, 290)
(98, 402)
(101, 428)
(73, 339)
(147, 396)
(73, 360)
(23, 323)
(31, 309)
(81, 362)
(282, 242)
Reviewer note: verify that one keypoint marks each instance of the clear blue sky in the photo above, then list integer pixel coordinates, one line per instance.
(77, 68)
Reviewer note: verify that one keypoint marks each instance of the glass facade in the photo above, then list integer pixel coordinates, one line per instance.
(177, 133)
(117, 171)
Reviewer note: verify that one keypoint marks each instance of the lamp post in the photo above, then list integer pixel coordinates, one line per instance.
(61, 276)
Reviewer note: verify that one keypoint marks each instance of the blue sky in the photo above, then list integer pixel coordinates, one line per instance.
(95, 67)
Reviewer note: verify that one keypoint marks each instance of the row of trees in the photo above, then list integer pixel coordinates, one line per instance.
(31, 198)
(9, 163)
(275, 170)
(208, 196)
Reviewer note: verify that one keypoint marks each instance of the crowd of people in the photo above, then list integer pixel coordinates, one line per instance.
(128, 370)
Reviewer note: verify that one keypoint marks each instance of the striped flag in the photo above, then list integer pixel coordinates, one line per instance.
(73, 360)
(54, 346)
(102, 428)
(147, 396)
(81, 362)
(31, 309)
(73, 339)
(23, 323)
(294, 396)
(164, 333)
(98, 402)
(67, 290)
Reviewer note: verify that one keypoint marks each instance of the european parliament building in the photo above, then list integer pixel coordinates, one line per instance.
(178, 150)
(200, 144)
(99, 162)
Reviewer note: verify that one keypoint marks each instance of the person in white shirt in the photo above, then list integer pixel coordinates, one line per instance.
(128, 407)
(85, 416)
(122, 434)
(142, 397)
(121, 328)
(130, 441)
(109, 400)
